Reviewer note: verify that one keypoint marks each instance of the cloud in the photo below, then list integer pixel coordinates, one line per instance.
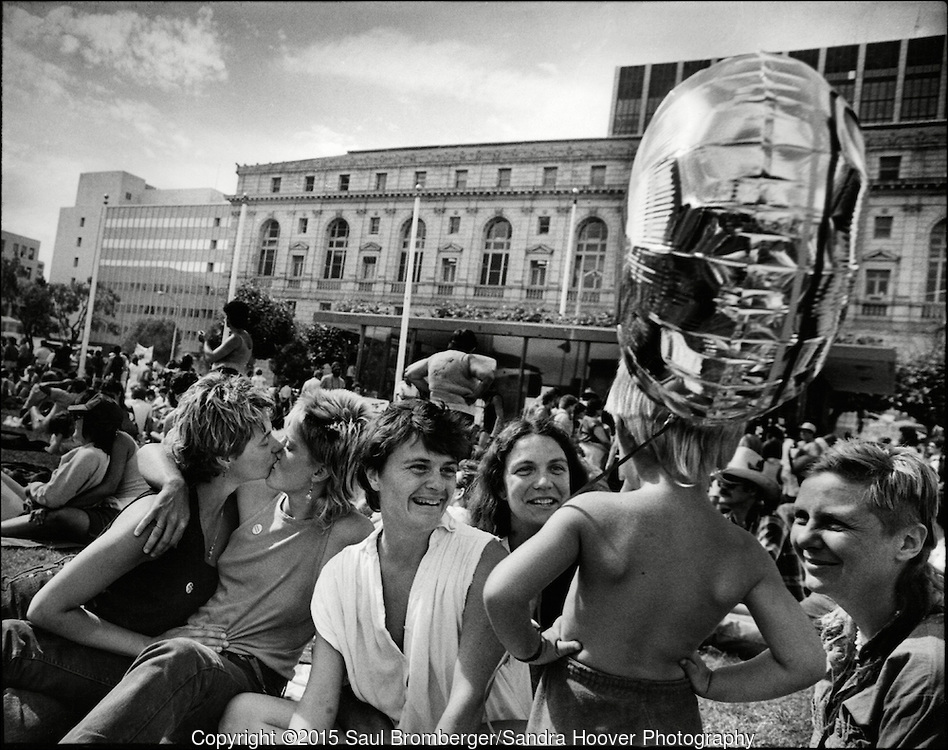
(169, 53)
(407, 66)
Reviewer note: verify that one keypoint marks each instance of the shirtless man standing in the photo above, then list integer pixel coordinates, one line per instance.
(659, 567)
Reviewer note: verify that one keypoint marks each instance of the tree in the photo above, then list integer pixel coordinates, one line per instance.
(920, 389)
(314, 344)
(69, 303)
(11, 280)
(271, 322)
(149, 332)
(35, 309)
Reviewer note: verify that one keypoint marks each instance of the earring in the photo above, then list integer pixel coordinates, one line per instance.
(309, 494)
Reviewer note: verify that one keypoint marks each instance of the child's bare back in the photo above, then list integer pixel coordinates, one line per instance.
(659, 567)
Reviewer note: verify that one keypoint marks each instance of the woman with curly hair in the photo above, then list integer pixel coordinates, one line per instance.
(85, 627)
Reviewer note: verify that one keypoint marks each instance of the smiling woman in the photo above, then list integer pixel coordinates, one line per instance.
(864, 527)
(530, 470)
(401, 614)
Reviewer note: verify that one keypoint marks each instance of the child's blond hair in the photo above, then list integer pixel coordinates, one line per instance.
(689, 453)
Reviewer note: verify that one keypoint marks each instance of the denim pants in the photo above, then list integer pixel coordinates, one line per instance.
(173, 688)
(50, 682)
(575, 700)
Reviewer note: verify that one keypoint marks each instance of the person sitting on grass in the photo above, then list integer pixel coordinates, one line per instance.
(86, 626)
(46, 510)
(658, 568)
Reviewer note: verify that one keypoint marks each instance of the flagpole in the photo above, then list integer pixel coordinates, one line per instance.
(93, 286)
(406, 301)
(568, 260)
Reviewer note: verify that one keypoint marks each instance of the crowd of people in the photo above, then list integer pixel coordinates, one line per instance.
(447, 566)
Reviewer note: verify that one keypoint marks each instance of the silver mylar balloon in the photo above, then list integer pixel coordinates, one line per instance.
(743, 211)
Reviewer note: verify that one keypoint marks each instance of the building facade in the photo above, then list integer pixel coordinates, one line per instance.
(898, 89)
(165, 253)
(25, 250)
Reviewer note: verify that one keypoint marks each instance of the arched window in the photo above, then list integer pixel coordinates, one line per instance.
(935, 284)
(496, 253)
(590, 257)
(269, 235)
(336, 249)
(419, 246)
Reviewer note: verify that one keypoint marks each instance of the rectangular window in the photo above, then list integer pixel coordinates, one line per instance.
(275, 184)
(403, 261)
(217, 221)
(420, 178)
(661, 82)
(304, 225)
(503, 177)
(78, 241)
(543, 225)
(889, 167)
(494, 269)
(343, 182)
(369, 266)
(454, 224)
(213, 244)
(335, 260)
(877, 103)
(310, 183)
(374, 222)
(629, 100)
(922, 72)
(128, 196)
(296, 269)
(449, 270)
(460, 179)
(381, 178)
(32, 254)
(877, 282)
(882, 227)
(538, 273)
(841, 69)
(210, 268)
(597, 175)
(290, 306)
(549, 177)
(75, 262)
(82, 221)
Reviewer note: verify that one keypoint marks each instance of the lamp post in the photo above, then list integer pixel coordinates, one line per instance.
(406, 301)
(93, 285)
(235, 259)
(174, 322)
(568, 260)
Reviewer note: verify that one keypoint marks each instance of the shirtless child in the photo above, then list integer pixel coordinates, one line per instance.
(659, 567)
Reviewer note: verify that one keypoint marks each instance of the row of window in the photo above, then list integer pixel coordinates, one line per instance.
(171, 312)
(597, 176)
(161, 244)
(19, 251)
(454, 225)
(137, 221)
(591, 238)
(161, 288)
(921, 82)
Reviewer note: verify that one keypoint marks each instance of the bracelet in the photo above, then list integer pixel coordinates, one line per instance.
(536, 655)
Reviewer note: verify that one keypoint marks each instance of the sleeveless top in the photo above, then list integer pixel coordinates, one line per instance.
(240, 357)
(162, 593)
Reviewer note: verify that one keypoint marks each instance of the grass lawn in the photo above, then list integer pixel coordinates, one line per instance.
(784, 722)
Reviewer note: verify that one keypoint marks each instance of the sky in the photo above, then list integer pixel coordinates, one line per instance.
(180, 93)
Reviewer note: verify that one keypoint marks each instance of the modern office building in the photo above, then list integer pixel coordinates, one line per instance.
(25, 250)
(898, 90)
(165, 253)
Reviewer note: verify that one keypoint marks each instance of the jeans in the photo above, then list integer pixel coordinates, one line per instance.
(573, 697)
(173, 688)
(50, 682)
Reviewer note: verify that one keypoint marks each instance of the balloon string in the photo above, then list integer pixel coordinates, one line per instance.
(616, 464)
